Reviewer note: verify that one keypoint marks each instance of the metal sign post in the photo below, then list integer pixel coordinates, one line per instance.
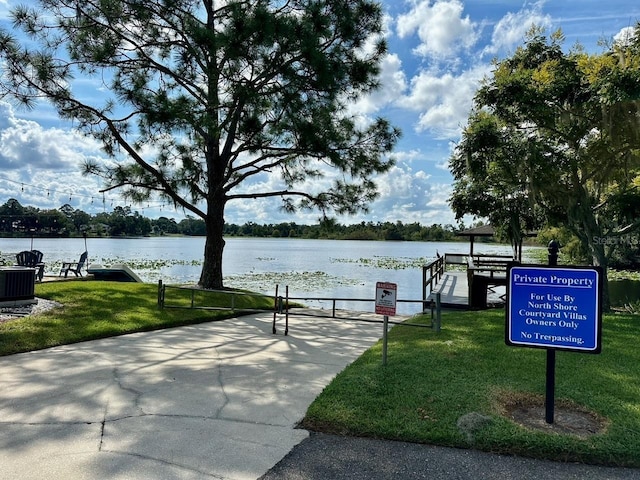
(386, 296)
(385, 326)
(555, 308)
(550, 385)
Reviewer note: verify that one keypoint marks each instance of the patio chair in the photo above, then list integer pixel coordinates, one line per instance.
(75, 267)
(31, 259)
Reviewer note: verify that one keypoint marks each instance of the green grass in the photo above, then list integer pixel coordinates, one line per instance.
(432, 379)
(94, 310)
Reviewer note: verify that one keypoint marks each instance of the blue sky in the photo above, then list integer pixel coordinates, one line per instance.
(439, 51)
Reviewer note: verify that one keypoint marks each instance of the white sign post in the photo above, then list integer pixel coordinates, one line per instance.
(386, 295)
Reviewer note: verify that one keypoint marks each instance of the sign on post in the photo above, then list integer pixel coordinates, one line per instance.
(554, 307)
(386, 295)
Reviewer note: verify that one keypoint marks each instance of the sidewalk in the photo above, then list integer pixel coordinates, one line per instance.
(218, 400)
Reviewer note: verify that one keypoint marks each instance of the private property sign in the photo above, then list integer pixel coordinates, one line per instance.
(554, 307)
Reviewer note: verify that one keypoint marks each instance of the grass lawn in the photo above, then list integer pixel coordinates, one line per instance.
(449, 388)
(104, 309)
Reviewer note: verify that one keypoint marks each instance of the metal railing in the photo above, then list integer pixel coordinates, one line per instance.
(195, 296)
(285, 301)
(282, 305)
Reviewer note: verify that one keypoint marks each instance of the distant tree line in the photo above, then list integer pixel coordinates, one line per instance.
(361, 231)
(18, 220)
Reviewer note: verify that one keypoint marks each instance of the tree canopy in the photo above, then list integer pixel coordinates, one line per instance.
(209, 102)
(555, 136)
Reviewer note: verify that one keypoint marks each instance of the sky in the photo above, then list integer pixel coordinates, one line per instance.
(438, 53)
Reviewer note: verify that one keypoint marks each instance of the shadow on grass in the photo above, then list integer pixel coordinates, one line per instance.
(93, 310)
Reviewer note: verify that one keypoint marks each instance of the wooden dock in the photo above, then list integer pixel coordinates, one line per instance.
(453, 290)
(487, 273)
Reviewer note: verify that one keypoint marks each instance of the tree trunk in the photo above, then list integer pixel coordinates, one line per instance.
(600, 260)
(211, 275)
(587, 229)
(590, 230)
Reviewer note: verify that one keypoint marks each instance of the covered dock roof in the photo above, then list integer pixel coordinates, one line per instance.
(489, 231)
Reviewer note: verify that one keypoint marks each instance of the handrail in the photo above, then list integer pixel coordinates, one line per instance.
(232, 295)
(435, 272)
(489, 260)
(434, 324)
(491, 264)
(281, 305)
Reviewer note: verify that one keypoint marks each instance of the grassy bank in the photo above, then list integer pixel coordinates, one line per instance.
(454, 388)
(94, 310)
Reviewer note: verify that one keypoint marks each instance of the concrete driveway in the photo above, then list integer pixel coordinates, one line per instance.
(218, 400)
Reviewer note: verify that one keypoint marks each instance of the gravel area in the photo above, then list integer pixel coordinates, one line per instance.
(14, 312)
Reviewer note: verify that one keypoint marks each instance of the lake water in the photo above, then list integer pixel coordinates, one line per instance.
(310, 268)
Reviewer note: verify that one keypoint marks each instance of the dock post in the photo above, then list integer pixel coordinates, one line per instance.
(275, 311)
(160, 294)
(438, 320)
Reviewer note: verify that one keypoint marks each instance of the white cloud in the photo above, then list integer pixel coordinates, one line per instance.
(408, 157)
(42, 166)
(27, 145)
(411, 195)
(444, 99)
(511, 29)
(442, 29)
(393, 83)
(625, 36)
(4, 9)
(406, 193)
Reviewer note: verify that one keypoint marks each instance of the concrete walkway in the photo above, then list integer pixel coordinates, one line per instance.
(217, 400)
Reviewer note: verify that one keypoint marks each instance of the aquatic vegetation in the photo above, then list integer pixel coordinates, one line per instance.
(387, 263)
(152, 270)
(297, 281)
(147, 263)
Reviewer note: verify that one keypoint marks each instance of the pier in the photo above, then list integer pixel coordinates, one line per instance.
(466, 281)
(472, 281)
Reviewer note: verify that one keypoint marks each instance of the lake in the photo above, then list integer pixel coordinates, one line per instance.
(311, 268)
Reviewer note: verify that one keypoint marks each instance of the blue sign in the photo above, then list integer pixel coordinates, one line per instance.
(554, 307)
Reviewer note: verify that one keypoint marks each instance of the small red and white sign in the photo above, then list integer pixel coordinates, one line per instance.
(386, 295)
